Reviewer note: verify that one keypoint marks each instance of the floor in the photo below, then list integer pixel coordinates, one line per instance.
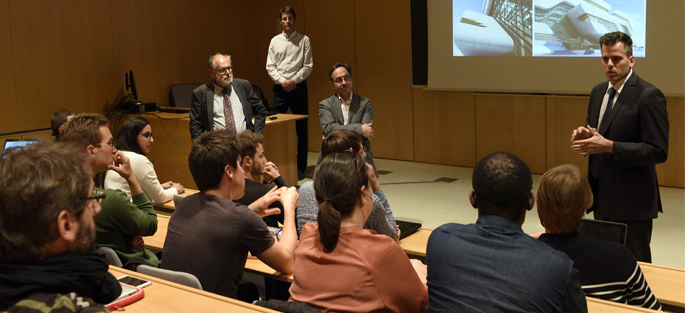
(414, 195)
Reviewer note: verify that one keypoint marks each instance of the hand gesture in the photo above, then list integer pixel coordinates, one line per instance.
(593, 145)
(122, 165)
(270, 172)
(261, 205)
(289, 198)
(288, 85)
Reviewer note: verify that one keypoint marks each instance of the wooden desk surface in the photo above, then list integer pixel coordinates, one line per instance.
(169, 206)
(165, 296)
(667, 283)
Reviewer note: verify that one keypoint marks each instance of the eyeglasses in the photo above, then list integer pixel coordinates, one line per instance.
(98, 196)
(340, 80)
(110, 144)
(224, 70)
(148, 136)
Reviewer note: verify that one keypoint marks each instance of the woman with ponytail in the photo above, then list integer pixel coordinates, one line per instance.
(341, 267)
(381, 219)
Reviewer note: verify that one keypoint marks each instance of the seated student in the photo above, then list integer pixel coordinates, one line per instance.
(209, 235)
(607, 270)
(340, 267)
(47, 263)
(123, 220)
(134, 140)
(381, 219)
(492, 266)
(255, 165)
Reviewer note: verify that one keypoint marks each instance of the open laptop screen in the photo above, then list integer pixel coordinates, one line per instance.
(16, 143)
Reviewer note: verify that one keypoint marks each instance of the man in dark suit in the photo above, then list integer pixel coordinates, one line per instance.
(625, 141)
(225, 102)
(347, 110)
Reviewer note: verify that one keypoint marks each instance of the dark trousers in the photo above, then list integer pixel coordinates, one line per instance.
(638, 236)
(298, 103)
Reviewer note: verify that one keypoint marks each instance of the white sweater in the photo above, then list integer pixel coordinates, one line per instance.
(147, 178)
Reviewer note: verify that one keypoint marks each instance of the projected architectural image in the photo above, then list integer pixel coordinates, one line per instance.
(557, 28)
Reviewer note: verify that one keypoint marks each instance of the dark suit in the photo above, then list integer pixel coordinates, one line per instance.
(331, 118)
(202, 108)
(626, 187)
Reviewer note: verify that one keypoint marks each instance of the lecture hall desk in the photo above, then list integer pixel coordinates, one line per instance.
(172, 145)
(165, 296)
(667, 283)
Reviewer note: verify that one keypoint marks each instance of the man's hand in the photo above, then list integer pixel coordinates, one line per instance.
(167, 185)
(270, 172)
(367, 130)
(138, 243)
(373, 180)
(593, 145)
(261, 205)
(289, 198)
(122, 165)
(288, 85)
(581, 133)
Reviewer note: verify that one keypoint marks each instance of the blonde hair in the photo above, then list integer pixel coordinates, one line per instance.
(563, 197)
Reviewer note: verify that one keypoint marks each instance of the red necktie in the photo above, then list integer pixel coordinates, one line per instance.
(228, 111)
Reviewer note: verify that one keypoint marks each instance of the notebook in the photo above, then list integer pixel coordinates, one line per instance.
(407, 228)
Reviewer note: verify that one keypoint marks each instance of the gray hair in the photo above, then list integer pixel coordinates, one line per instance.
(211, 62)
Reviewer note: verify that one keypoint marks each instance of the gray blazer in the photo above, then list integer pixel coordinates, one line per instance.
(331, 118)
(202, 107)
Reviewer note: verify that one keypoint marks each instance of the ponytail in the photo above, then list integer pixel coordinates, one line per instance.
(329, 225)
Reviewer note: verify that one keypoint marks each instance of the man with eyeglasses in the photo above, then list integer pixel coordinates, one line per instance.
(347, 110)
(289, 62)
(123, 220)
(225, 102)
(47, 261)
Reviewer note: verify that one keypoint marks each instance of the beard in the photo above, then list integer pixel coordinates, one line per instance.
(85, 237)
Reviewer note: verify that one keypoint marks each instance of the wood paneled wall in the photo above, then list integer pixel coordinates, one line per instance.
(536, 128)
(73, 53)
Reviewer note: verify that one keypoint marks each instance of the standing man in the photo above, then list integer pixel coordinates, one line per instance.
(626, 136)
(225, 102)
(289, 63)
(347, 110)
(47, 263)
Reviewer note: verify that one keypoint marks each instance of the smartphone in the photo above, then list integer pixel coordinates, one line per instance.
(140, 283)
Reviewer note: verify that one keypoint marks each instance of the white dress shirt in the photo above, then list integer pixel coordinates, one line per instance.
(605, 100)
(289, 58)
(236, 105)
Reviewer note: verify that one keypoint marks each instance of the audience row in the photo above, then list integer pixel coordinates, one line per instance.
(347, 258)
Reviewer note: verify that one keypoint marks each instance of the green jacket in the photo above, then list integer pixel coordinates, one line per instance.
(121, 219)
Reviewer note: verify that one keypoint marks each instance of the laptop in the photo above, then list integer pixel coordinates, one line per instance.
(604, 230)
(16, 144)
(407, 228)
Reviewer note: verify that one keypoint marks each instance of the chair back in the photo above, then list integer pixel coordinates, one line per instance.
(110, 256)
(182, 278)
(178, 198)
(181, 95)
(604, 230)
